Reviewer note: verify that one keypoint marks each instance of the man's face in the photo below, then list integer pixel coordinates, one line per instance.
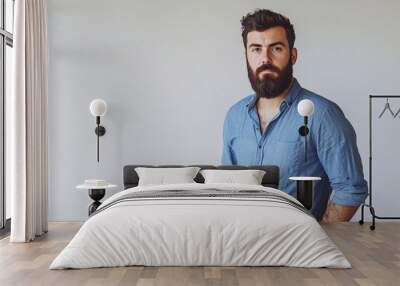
(269, 61)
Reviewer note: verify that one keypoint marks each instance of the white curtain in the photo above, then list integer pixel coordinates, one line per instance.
(27, 122)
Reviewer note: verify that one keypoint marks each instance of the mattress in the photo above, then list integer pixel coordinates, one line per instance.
(201, 225)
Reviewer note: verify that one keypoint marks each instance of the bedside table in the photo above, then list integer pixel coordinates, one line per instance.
(96, 193)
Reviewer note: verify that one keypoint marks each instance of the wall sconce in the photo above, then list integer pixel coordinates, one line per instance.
(98, 108)
(305, 109)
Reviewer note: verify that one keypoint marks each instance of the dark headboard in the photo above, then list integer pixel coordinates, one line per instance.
(270, 179)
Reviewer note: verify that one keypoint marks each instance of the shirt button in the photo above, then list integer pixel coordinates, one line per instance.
(259, 146)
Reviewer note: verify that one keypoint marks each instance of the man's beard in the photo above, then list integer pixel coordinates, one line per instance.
(269, 86)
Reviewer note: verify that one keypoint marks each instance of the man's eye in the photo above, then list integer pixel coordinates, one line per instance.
(277, 49)
(256, 50)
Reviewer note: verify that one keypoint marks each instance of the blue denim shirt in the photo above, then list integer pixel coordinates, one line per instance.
(332, 152)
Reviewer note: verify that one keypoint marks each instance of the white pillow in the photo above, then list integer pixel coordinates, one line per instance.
(163, 176)
(249, 177)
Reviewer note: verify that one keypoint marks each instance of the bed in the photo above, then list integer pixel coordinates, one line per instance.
(198, 224)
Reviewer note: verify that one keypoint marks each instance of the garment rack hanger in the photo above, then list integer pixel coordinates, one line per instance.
(387, 107)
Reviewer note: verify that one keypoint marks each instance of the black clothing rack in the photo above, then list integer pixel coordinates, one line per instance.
(370, 205)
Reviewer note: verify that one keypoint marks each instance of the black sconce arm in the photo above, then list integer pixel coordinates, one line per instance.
(100, 131)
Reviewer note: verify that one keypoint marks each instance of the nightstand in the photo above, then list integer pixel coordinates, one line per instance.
(96, 193)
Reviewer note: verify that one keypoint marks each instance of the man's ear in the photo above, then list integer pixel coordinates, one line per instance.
(293, 56)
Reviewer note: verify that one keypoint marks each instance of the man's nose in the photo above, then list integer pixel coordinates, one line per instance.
(266, 57)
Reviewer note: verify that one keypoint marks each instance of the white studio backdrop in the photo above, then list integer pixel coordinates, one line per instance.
(169, 71)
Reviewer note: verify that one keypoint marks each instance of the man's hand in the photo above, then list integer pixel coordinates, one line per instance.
(336, 213)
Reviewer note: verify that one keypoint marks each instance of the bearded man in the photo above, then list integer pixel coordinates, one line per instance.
(262, 129)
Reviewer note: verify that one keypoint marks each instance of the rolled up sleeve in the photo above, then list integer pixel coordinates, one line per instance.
(337, 150)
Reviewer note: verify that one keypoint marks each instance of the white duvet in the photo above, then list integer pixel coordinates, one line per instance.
(200, 231)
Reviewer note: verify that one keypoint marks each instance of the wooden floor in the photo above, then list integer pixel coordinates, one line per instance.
(374, 255)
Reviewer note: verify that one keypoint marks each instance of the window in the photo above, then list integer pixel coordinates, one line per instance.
(6, 60)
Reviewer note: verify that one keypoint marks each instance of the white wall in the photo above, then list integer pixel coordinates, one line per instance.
(169, 71)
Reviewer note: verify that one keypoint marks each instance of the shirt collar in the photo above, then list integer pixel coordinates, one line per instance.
(289, 99)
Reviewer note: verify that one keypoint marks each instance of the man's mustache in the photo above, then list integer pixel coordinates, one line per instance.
(267, 67)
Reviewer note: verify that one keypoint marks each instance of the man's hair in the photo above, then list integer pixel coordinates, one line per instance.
(262, 19)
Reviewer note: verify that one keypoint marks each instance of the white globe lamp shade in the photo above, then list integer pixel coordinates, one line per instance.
(305, 107)
(98, 107)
